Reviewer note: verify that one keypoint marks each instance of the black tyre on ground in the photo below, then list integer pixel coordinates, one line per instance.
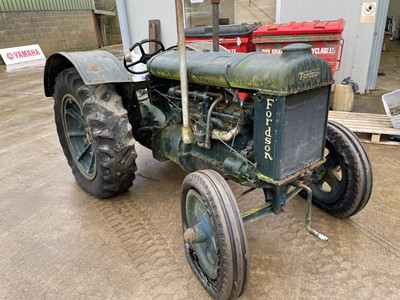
(346, 184)
(218, 256)
(95, 134)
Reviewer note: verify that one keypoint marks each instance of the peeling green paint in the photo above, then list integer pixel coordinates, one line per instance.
(276, 75)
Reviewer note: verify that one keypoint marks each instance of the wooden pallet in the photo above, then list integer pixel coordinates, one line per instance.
(370, 128)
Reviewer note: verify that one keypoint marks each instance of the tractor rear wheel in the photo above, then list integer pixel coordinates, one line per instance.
(95, 134)
(215, 241)
(346, 184)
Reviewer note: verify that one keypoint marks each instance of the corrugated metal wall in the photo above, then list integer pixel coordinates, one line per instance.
(45, 5)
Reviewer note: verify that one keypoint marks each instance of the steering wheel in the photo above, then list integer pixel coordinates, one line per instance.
(145, 56)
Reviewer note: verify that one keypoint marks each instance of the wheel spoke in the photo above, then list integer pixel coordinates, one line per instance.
(330, 162)
(76, 133)
(81, 156)
(91, 163)
(331, 178)
(73, 114)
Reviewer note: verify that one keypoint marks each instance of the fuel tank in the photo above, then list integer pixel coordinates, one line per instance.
(295, 70)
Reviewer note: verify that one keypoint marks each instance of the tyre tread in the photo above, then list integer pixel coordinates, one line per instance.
(359, 180)
(111, 134)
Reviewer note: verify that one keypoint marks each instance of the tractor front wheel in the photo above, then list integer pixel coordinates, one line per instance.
(215, 241)
(346, 182)
(95, 134)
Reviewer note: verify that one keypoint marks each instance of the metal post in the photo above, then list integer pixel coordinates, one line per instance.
(215, 23)
(123, 25)
(187, 134)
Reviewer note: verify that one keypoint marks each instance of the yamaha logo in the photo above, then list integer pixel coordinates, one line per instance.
(21, 54)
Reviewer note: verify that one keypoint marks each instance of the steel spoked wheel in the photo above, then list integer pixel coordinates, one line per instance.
(215, 242)
(345, 182)
(78, 137)
(95, 134)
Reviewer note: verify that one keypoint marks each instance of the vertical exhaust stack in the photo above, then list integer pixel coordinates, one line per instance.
(187, 134)
(215, 23)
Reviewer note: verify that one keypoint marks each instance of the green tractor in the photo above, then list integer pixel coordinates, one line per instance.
(257, 119)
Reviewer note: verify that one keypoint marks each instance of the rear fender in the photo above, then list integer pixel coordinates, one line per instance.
(95, 67)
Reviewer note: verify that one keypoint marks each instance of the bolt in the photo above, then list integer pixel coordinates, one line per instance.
(190, 236)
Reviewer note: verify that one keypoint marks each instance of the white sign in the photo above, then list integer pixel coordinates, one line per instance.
(368, 11)
(196, 1)
(21, 54)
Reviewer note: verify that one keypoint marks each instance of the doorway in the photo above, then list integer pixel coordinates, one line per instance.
(389, 63)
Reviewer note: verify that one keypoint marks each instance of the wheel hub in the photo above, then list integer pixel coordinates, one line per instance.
(88, 139)
(200, 234)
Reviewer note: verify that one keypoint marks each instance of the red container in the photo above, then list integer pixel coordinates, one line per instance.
(325, 37)
(239, 44)
(236, 38)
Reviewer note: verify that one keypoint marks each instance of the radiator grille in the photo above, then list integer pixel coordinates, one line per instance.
(303, 136)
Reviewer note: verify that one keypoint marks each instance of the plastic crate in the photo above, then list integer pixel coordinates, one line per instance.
(391, 102)
(325, 37)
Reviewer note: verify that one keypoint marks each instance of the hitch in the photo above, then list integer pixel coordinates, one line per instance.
(308, 215)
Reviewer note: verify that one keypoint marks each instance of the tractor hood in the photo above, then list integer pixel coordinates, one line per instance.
(296, 69)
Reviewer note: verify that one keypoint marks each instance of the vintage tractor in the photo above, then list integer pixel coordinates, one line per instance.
(259, 120)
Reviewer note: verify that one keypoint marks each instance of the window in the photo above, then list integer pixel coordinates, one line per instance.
(199, 13)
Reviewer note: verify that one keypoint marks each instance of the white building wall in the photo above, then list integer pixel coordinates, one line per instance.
(358, 36)
(139, 12)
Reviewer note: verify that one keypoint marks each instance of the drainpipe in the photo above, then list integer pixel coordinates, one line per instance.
(123, 25)
(187, 134)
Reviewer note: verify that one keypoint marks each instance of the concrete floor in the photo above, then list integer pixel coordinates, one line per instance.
(58, 242)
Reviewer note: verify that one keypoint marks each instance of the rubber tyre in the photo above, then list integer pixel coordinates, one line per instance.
(109, 134)
(227, 230)
(353, 189)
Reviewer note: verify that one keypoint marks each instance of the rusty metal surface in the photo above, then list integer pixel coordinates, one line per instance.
(97, 66)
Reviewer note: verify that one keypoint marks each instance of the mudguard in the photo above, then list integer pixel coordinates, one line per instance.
(95, 67)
